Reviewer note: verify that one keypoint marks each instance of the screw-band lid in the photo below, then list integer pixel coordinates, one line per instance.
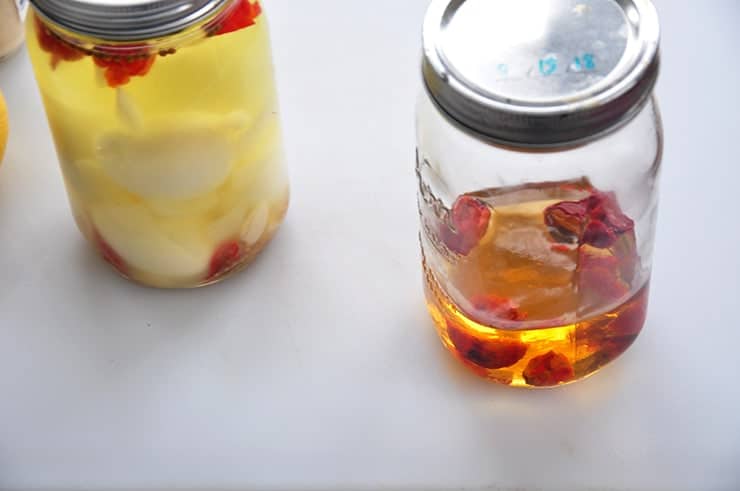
(125, 20)
(540, 72)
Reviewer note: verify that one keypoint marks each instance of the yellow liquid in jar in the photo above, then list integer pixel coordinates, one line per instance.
(177, 175)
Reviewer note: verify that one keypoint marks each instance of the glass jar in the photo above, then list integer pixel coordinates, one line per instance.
(11, 25)
(539, 150)
(164, 116)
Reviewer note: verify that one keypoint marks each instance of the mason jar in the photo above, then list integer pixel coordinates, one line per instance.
(164, 116)
(539, 151)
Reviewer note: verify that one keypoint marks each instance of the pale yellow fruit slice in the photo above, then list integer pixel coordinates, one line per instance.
(171, 160)
(148, 246)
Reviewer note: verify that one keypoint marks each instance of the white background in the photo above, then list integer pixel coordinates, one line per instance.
(319, 368)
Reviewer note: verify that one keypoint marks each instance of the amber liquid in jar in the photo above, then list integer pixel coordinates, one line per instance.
(170, 148)
(535, 286)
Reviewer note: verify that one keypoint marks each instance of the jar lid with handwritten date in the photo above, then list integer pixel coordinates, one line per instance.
(534, 73)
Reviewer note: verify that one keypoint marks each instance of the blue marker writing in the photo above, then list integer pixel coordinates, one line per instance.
(588, 61)
(548, 65)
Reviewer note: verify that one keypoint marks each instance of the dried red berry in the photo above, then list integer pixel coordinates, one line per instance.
(242, 15)
(490, 308)
(120, 63)
(604, 207)
(598, 277)
(51, 43)
(549, 369)
(469, 219)
(596, 220)
(491, 354)
(569, 217)
(226, 256)
(598, 234)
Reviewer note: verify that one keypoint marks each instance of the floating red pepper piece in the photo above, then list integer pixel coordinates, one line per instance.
(549, 369)
(51, 43)
(491, 354)
(469, 219)
(490, 308)
(243, 14)
(226, 256)
(120, 63)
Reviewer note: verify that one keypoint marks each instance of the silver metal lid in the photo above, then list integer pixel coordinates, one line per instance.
(126, 20)
(540, 72)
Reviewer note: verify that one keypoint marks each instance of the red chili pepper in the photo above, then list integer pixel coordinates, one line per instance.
(549, 369)
(242, 15)
(226, 256)
(491, 354)
(123, 62)
(470, 218)
(51, 43)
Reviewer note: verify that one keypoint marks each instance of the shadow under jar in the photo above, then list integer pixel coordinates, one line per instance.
(164, 116)
(539, 150)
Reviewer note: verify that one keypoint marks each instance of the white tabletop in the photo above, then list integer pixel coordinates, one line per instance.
(318, 368)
